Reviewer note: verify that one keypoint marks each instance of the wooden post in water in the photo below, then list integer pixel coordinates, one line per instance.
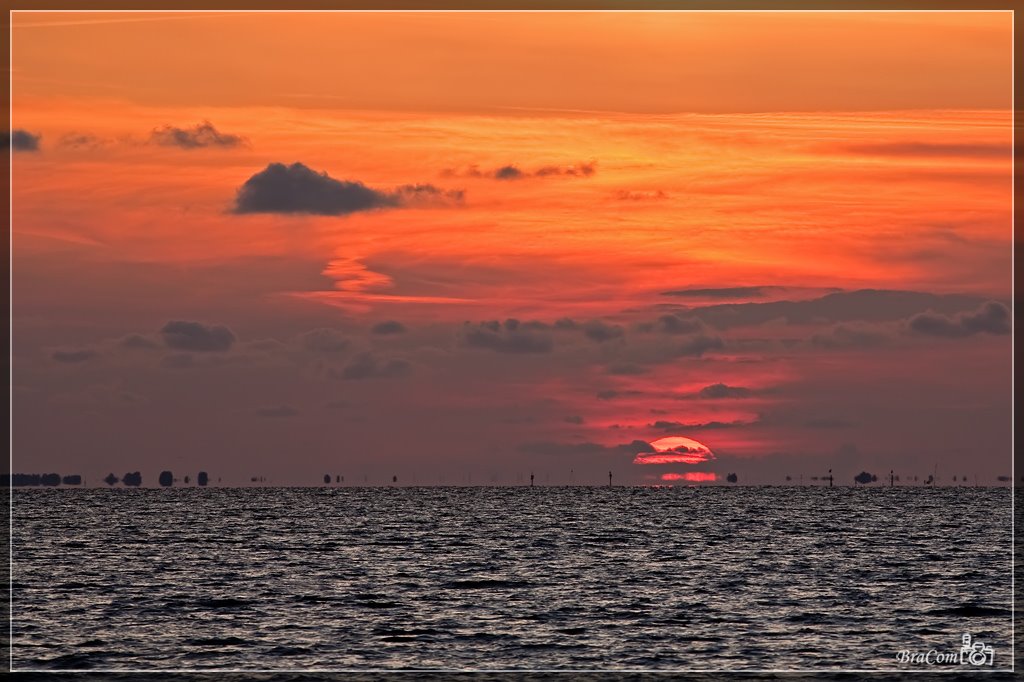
(829, 478)
(892, 479)
(531, 479)
(609, 479)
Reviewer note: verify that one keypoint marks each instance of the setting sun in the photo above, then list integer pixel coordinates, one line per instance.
(676, 450)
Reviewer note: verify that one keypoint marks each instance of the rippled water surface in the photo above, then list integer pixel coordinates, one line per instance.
(498, 578)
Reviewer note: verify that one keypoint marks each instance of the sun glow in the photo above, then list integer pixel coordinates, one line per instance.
(675, 450)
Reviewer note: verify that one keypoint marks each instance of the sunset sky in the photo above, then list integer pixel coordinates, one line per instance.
(463, 247)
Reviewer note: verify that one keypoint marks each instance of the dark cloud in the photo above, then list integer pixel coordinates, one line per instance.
(720, 391)
(990, 318)
(599, 331)
(675, 426)
(510, 337)
(197, 336)
(72, 356)
(867, 305)
(81, 141)
(324, 341)
(23, 141)
(513, 172)
(368, 366)
(700, 344)
(388, 327)
(578, 170)
(566, 324)
(198, 136)
(508, 173)
(299, 189)
(574, 419)
(421, 194)
(138, 341)
(279, 411)
(631, 195)
(931, 150)
(725, 292)
(587, 449)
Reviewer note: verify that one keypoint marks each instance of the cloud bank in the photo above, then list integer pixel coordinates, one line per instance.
(196, 336)
(990, 318)
(299, 189)
(23, 141)
(197, 137)
(510, 337)
(513, 172)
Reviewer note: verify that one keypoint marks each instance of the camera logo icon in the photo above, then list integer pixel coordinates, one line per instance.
(975, 653)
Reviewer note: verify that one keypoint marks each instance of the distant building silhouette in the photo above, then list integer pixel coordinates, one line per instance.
(166, 479)
(327, 479)
(133, 479)
(732, 478)
(864, 478)
(203, 478)
(49, 479)
(73, 479)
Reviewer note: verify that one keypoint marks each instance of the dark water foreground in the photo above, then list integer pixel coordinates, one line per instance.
(695, 579)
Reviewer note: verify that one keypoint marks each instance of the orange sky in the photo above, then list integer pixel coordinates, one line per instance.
(806, 199)
(639, 62)
(806, 151)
